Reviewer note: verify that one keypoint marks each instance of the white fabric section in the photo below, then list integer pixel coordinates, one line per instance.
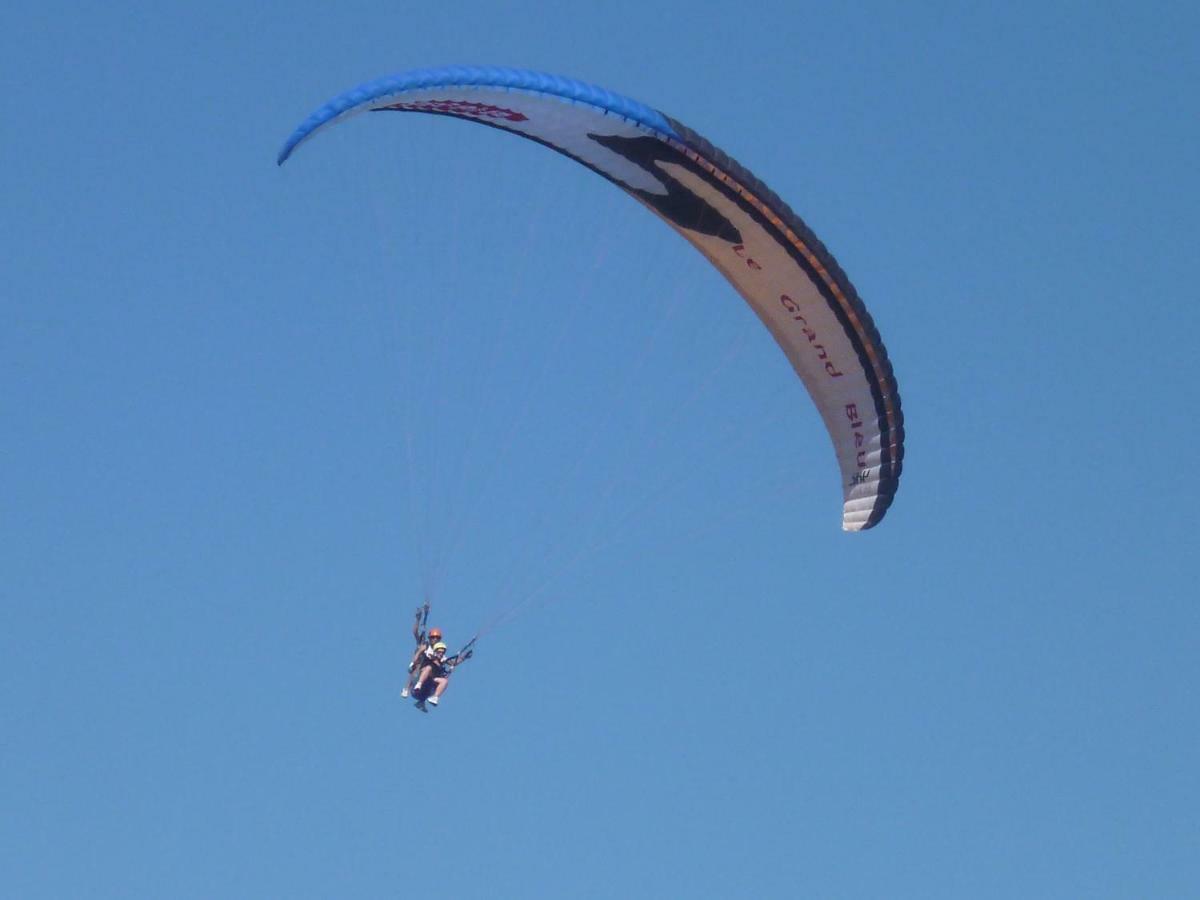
(561, 123)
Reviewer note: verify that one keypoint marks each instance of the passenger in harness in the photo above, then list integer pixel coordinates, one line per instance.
(436, 671)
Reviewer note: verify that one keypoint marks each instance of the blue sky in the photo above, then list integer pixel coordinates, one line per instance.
(249, 415)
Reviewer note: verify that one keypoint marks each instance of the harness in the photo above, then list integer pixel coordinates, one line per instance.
(422, 621)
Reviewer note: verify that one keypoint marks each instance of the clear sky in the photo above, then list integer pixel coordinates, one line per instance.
(250, 415)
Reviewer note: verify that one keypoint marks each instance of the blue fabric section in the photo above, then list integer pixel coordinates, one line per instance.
(490, 76)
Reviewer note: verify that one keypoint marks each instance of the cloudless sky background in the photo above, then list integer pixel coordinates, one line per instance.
(249, 416)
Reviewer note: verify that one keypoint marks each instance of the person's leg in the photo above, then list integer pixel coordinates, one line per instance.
(412, 674)
(441, 681)
(422, 677)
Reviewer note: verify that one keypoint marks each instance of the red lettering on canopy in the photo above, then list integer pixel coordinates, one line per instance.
(794, 308)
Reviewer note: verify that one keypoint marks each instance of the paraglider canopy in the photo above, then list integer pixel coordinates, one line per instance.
(762, 247)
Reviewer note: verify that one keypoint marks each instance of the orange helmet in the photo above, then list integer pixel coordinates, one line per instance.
(435, 633)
